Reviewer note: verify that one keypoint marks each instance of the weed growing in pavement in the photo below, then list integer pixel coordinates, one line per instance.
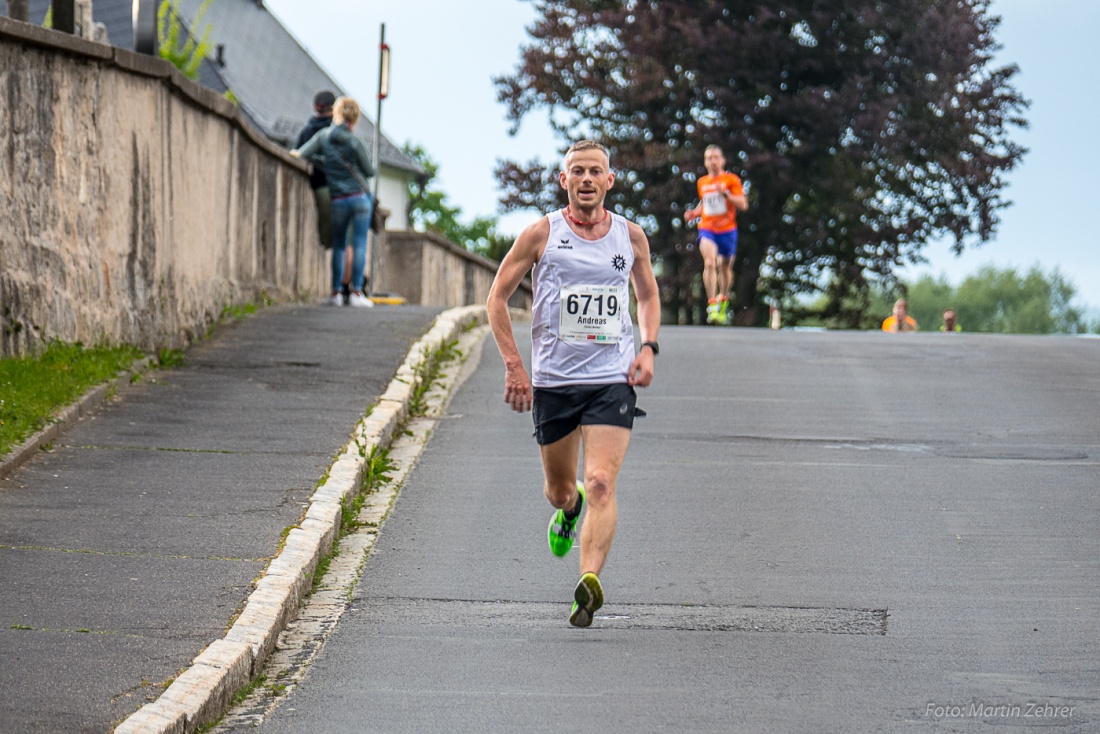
(34, 388)
(375, 472)
(427, 372)
(238, 312)
(277, 689)
(247, 690)
(169, 358)
(282, 541)
(237, 699)
(322, 566)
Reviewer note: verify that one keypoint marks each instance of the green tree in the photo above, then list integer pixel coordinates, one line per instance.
(841, 308)
(992, 300)
(176, 44)
(1003, 301)
(864, 129)
(927, 298)
(429, 210)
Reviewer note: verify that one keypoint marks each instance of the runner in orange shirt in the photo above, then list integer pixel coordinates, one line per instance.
(721, 195)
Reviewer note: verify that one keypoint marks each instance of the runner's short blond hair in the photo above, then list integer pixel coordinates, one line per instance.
(587, 145)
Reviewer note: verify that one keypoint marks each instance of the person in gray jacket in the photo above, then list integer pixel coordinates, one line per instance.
(348, 168)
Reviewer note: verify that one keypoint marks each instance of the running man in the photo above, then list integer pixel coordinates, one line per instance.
(582, 355)
(721, 196)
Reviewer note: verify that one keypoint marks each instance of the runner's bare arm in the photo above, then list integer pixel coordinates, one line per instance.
(649, 307)
(525, 252)
(740, 201)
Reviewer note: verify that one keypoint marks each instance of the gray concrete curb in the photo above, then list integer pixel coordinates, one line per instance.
(87, 403)
(202, 693)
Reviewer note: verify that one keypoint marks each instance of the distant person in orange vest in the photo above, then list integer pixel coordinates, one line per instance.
(721, 196)
(900, 320)
(950, 325)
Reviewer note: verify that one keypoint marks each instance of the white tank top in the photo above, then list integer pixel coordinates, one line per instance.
(581, 333)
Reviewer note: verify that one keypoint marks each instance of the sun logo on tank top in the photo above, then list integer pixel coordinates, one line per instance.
(619, 263)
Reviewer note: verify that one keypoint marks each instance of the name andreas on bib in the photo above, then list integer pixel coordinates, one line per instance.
(591, 313)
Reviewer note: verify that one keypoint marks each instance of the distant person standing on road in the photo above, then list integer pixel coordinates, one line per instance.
(583, 363)
(900, 320)
(322, 118)
(721, 196)
(348, 168)
(950, 325)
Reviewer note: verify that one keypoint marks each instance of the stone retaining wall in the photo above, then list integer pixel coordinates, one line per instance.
(137, 204)
(427, 268)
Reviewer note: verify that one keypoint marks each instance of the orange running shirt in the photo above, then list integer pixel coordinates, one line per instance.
(718, 215)
(891, 324)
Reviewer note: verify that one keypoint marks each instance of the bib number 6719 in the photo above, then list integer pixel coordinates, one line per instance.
(587, 304)
(591, 313)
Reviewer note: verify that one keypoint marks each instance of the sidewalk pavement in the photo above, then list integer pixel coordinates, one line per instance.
(137, 539)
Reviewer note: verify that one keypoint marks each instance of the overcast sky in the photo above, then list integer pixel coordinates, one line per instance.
(445, 55)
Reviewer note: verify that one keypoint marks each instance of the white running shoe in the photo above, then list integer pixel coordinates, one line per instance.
(336, 300)
(358, 300)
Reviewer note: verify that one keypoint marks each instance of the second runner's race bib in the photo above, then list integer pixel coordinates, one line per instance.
(714, 203)
(591, 313)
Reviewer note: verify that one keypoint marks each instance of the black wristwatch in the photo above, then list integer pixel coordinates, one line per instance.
(654, 346)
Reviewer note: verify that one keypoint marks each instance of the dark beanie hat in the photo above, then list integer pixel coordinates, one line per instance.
(324, 99)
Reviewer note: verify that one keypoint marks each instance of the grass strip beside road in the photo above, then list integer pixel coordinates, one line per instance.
(34, 389)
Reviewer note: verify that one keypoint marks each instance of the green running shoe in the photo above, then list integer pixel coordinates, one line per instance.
(587, 598)
(712, 313)
(723, 311)
(562, 532)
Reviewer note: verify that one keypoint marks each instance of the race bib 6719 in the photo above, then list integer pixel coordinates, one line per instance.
(591, 313)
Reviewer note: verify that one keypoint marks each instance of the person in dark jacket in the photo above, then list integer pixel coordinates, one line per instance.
(322, 118)
(348, 169)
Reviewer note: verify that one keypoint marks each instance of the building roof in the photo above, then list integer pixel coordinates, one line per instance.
(268, 71)
(272, 75)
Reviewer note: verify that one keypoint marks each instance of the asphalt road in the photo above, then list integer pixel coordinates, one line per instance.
(819, 532)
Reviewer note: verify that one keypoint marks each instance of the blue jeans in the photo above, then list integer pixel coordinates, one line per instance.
(351, 213)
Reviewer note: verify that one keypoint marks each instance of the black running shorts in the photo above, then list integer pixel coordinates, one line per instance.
(559, 410)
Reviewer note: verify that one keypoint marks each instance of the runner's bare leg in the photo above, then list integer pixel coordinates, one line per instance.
(559, 465)
(709, 251)
(604, 450)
